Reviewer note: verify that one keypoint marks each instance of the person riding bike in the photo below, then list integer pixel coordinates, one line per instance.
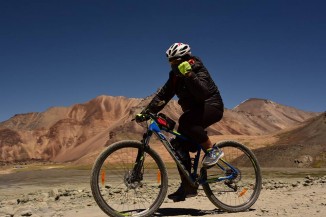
(202, 106)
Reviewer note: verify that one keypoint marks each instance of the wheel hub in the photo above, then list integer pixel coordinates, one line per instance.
(131, 181)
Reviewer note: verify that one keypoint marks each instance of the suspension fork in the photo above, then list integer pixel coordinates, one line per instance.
(139, 162)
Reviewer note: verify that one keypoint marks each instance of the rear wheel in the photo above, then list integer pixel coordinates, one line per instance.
(116, 188)
(241, 189)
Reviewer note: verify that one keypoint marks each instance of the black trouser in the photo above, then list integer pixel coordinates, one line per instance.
(192, 124)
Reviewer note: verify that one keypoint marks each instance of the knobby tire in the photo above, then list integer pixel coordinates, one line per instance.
(118, 199)
(249, 182)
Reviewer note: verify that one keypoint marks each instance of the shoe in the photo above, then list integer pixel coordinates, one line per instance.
(182, 193)
(212, 157)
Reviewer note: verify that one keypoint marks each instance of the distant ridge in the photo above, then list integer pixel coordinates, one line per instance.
(79, 132)
(302, 146)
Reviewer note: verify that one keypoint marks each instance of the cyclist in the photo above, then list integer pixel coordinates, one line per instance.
(201, 104)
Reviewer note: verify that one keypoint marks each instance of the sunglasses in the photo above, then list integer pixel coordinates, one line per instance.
(175, 61)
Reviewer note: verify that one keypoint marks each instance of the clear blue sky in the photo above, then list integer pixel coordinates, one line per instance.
(63, 52)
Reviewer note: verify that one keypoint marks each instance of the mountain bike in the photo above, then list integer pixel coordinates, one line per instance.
(129, 178)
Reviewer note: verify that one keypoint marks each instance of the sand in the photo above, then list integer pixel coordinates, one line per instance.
(66, 193)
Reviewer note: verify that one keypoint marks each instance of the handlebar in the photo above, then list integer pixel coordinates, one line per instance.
(161, 119)
(146, 116)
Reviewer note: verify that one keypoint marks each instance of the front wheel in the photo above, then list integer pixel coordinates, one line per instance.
(120, 189)
(234, 184)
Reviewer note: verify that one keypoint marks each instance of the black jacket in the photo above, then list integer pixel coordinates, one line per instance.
(192, 91)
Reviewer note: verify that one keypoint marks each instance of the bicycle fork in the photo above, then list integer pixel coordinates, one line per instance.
(136, 174)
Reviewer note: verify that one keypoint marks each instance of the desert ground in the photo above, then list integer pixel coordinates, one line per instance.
(61, 191)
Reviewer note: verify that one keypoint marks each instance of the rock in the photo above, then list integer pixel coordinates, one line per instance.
(295, 185)
(54, 192)
(309, 177)
(26, 213)
(23, 199)
(42, 205)
(65, 193)
(11, 202)
(117, 191)
(303, 161)
(7, 211)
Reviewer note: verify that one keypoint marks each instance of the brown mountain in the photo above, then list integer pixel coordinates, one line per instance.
(302, 146)
(80, 132)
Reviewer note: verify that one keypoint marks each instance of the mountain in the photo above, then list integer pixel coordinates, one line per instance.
(79, 132)
(301, 146)
(64, 131)
(270, 116)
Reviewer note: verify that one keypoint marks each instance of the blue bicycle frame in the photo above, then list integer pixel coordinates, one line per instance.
(192, 178)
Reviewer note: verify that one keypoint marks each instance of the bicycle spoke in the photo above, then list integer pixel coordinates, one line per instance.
(123, 192)
(239, 179)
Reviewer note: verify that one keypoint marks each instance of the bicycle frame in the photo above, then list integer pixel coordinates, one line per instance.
(192, 178)
(154, 128)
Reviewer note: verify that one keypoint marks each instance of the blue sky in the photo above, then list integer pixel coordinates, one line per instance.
(63, 52)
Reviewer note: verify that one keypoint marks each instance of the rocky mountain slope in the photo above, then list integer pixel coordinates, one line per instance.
(301, 146)
(80, 131)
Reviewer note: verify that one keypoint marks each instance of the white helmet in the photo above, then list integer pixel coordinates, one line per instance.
(178, 50)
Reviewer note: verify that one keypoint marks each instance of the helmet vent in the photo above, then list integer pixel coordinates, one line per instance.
(178, 50)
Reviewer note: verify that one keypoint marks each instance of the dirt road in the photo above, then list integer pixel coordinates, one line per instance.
(66, 193)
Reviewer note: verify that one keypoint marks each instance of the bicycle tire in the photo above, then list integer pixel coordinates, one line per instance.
(115, 195)
(249, 181)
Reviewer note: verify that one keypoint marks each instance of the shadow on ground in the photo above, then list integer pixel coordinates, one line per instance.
(189, 212)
